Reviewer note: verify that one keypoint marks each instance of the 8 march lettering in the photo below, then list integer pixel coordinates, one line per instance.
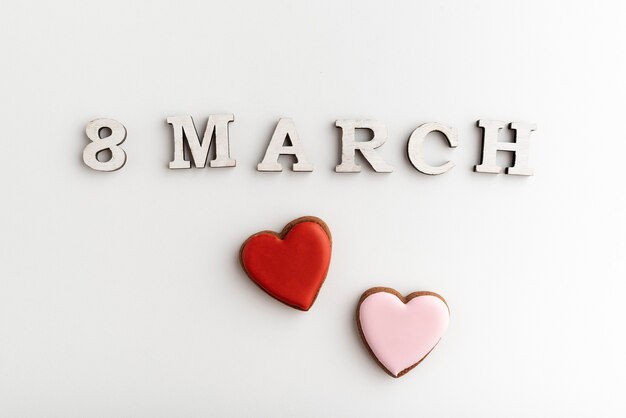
(216, 134)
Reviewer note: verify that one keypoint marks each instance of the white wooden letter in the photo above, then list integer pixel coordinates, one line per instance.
(185, 129)
(284, 128)
(349, 145)
(520, 148)
(415, 147)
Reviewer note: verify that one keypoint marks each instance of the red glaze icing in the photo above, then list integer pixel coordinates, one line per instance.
(291, 269)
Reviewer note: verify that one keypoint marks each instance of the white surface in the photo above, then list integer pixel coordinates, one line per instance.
(121, 293)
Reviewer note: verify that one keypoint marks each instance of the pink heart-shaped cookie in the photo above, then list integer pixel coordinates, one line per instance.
(401, 331)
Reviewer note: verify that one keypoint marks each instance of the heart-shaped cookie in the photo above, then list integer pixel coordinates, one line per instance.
(401, 331)
(291, 265)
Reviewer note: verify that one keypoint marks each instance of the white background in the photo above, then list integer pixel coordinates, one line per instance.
(121, 294)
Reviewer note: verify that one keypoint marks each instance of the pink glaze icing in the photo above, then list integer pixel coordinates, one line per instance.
(399, 334)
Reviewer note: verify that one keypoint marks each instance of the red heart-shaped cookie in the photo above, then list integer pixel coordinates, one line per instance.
(291, 265)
